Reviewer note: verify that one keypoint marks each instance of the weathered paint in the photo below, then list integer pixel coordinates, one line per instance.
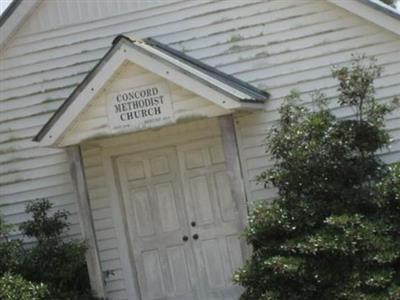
(275, 45)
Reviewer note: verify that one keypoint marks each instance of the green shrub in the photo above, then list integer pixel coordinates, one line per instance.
(54, 260)
(15, 287)
(333, 232)
(11, 251)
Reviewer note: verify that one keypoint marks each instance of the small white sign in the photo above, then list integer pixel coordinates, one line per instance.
(139, 108)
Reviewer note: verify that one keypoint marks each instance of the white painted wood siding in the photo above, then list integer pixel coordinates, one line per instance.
(276, 45)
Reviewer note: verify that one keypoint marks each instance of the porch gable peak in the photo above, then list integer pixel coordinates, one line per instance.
(171, 66)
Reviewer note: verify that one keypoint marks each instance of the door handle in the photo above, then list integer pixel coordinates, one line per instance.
(185, 238)
(193, 224)
(195, 236)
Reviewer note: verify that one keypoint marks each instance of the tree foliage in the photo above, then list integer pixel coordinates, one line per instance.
(333, 232)
(15, 287)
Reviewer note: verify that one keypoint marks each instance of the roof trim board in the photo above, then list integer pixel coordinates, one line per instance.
(373, 11)
(64, 106)
(9, 11)
(384, 8)
(66, 115)
(219, 88)
(18, 10)
(14, 16)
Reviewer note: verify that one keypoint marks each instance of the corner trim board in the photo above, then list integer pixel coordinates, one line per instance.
(235, 173)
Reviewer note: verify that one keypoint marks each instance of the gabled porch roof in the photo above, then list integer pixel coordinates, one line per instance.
(220, 88)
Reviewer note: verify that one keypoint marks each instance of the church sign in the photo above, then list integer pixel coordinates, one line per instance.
(139, 108)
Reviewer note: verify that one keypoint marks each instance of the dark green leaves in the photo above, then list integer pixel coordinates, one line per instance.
(58, 263)
(333, 232)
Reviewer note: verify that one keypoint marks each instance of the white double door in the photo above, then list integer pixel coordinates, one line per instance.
(184, 224)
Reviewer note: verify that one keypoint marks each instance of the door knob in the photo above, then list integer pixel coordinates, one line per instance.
(185, 238)
(195, 236)
(193, 224)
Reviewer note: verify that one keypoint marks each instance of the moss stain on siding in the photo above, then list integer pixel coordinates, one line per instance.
(235, 38)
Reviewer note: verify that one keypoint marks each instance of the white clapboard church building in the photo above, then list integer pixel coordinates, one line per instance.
(146, 120)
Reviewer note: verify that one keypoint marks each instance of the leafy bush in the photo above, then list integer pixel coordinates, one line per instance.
(53, 260)
(11, 251)
(334, 230)
(15, 287)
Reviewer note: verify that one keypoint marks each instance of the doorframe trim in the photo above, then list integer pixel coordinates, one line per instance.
(120, 224)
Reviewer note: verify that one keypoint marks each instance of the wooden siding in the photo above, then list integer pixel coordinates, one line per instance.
(276, 45)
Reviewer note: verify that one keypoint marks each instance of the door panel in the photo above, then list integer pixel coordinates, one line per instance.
(157, 222)
(154, 277)
(200, 194)
(229, 209)
(166, 206)
(212, 208)
(178, 266)
(139, 206)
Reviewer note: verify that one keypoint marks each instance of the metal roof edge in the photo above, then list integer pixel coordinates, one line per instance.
(226, 78)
